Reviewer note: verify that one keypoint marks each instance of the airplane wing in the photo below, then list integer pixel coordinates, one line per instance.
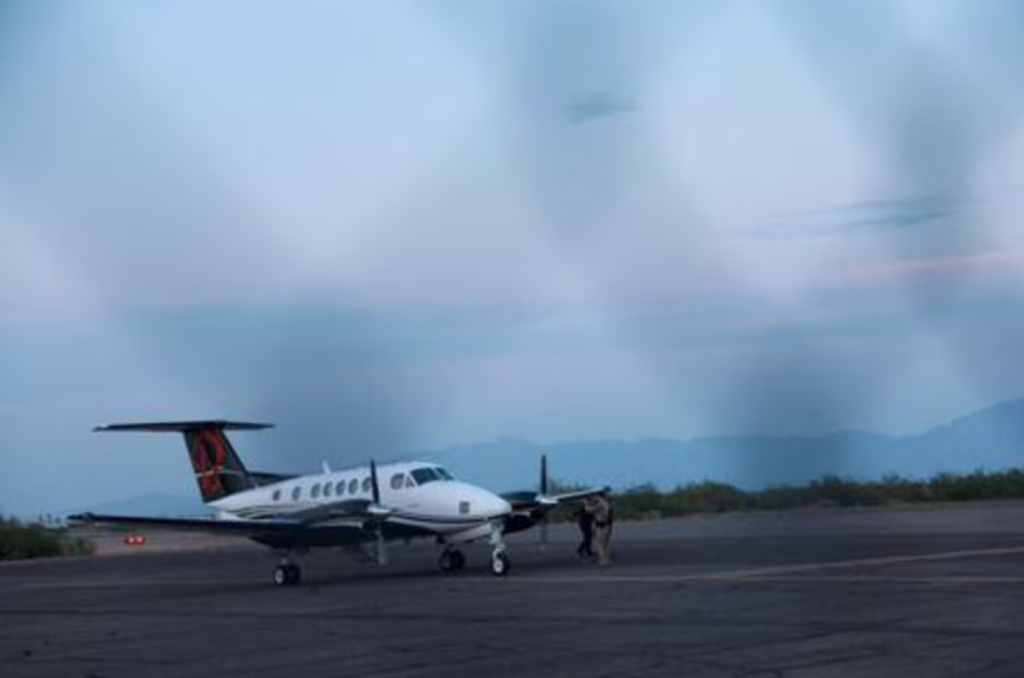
(211, 525)
(534, 501)
(301, 531)
(580, 494)
(346, 508)
(530, 508)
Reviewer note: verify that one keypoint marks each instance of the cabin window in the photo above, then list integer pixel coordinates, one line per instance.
(277, 495)
(367, 484)
(316, 491)
(328, 487)
(339, 489)
(397, 481)
(353, 486)
(296, 493)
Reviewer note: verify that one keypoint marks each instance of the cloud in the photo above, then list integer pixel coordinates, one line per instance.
(872, 215)
(598, 105)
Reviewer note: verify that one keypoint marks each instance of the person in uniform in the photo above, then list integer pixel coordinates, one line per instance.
(585, 521)
(601, 508)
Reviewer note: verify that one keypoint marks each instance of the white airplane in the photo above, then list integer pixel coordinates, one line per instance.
(292, 514)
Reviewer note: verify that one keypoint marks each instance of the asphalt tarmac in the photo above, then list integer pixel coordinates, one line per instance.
(820, 593)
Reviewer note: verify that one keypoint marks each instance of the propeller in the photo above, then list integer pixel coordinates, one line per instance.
(544, 474)
(543, 495)
(374, 483)
(375, 509)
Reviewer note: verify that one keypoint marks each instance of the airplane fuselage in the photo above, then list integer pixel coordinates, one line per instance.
(418, 495)
(353, 508)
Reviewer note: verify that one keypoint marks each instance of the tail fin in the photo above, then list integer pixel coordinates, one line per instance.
(219, 471)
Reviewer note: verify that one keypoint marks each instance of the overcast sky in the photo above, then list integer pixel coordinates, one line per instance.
(393, 226)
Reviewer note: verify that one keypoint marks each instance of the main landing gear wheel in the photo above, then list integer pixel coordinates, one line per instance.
(452, 561)
(287, 574)
(500, 564)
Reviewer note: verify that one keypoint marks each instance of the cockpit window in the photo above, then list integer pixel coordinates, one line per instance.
(422, 476)
(429, 474)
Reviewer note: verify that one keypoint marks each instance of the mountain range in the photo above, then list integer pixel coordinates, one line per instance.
(990, 439)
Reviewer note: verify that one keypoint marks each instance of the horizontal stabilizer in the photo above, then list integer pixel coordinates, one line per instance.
(218, 469)
(186, 426)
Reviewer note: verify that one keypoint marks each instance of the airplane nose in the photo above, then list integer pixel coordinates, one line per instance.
(501, 507)
(495, 505)
(481, 503)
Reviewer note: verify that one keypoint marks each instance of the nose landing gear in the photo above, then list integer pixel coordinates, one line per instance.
(500, 562)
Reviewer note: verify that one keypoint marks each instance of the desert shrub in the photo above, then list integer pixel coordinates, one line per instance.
(19, 540)
(709, 496)
(704, 497)
(24, 540)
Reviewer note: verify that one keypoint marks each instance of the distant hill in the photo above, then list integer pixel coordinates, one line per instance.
(991, 439)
